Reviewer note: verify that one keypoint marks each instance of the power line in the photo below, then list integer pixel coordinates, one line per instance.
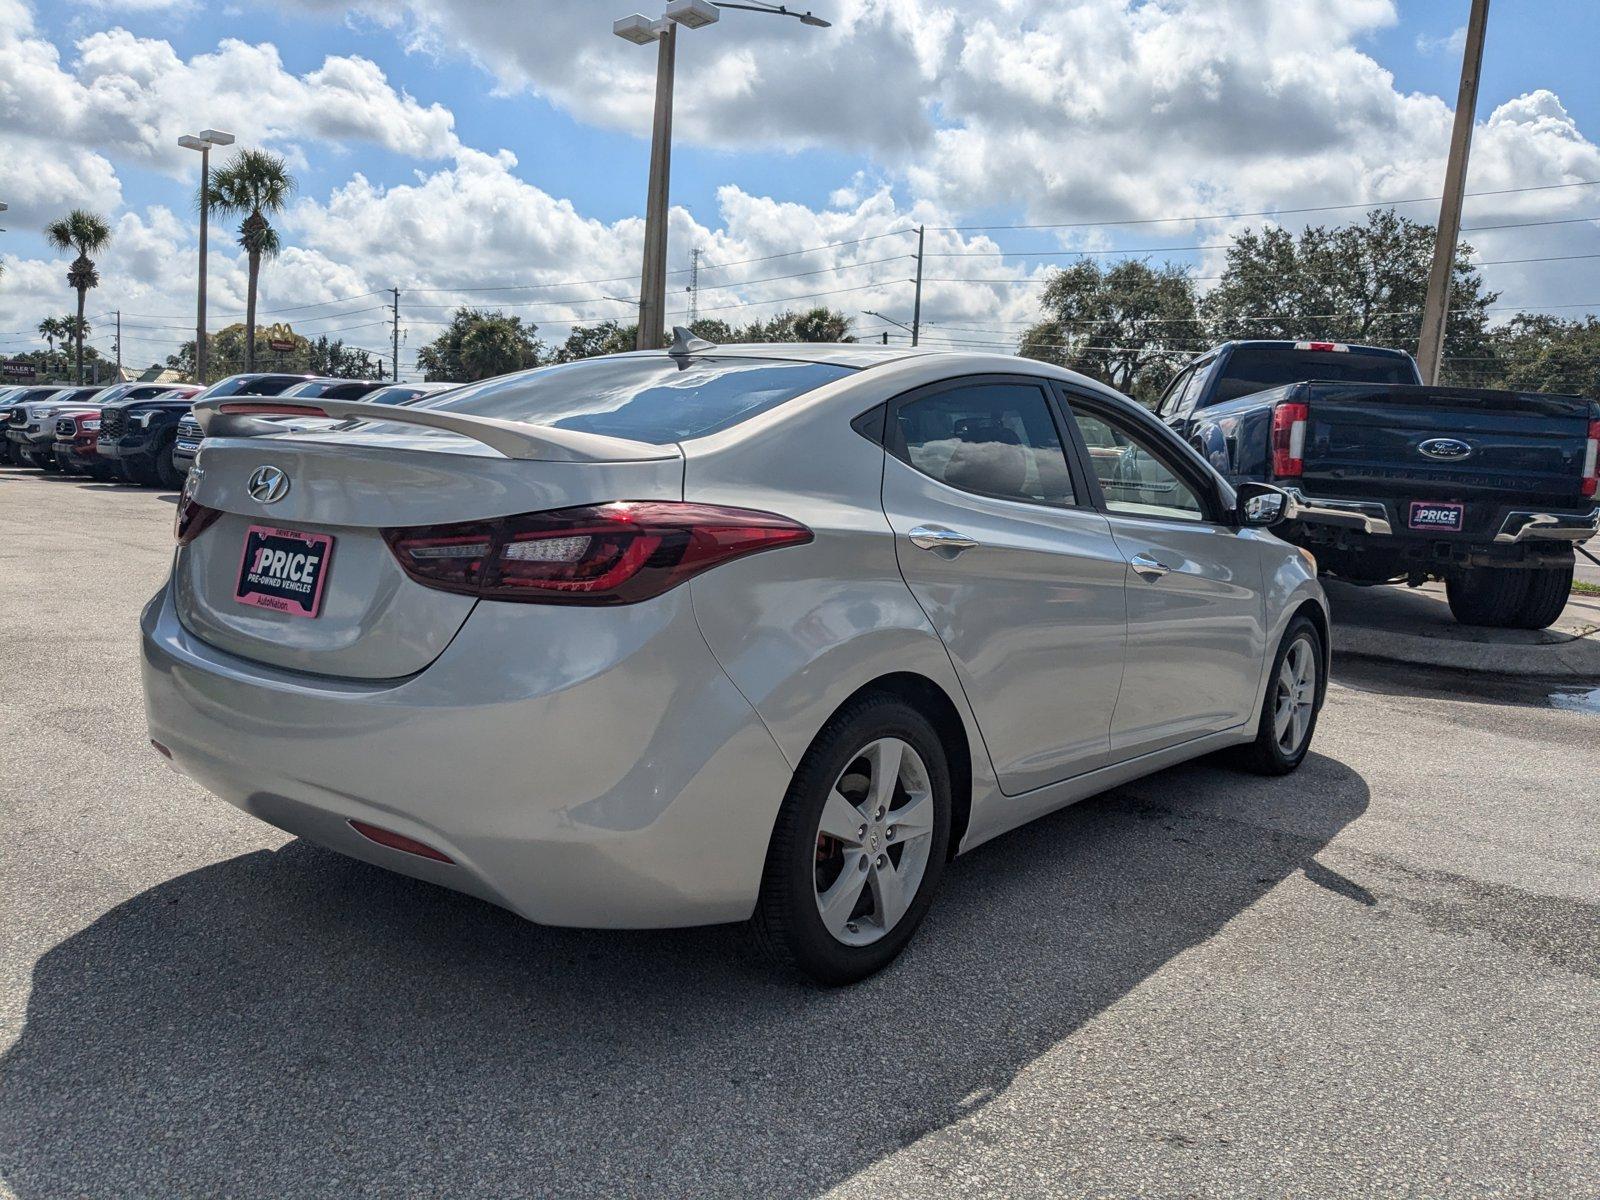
(1279, 212)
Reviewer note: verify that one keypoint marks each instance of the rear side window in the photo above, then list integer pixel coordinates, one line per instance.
(654, 400)
(1257, 368)
(995, 439)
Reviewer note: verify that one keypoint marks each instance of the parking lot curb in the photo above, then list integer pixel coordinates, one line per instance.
(1575, 656)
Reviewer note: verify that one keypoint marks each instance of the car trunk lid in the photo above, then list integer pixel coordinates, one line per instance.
(341, 489)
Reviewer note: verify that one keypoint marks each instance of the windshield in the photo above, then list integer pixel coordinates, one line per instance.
(250, 385)
(1257, 368)
(331, 389)
(655, 400)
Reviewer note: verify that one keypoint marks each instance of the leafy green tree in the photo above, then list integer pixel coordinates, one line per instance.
(1539, 353)
(1127, 324)
(818, 324)
(253, 184)
(87, 233)
(589, 341)
(1361, 283)
(478, 345)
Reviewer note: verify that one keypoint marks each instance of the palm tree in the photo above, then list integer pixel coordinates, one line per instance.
(88, 234)
(50, 329)
(252, 185)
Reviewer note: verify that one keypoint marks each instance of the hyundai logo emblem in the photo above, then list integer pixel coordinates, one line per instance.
(268, 485)
(1445, 449)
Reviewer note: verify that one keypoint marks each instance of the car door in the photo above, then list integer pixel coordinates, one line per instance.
(1195, 609)
(1014, 567)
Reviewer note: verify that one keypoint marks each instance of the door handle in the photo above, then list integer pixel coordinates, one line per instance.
(936, 537)
(1147, 567)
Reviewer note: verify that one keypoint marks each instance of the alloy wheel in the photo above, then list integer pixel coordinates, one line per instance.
(1295, 695)
(873, 841)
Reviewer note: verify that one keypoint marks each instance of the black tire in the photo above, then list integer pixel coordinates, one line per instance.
(168, 473)
(1547, 594)
(1266, 755)
(787, 923)
(1489, 596)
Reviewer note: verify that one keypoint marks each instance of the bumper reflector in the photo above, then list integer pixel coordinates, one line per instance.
(398, 841)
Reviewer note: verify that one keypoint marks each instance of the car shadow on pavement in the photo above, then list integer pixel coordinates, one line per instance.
(298, 1023)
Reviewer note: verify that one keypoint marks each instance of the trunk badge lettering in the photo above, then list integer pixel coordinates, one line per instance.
(1445, 449)
(268, 485)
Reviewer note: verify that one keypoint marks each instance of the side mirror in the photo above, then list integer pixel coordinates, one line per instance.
(1260, 505)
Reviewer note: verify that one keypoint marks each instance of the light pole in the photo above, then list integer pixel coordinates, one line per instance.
(206, 139)
(868, 312)
(641, 31)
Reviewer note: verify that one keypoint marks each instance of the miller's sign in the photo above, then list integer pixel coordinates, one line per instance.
(18, 370)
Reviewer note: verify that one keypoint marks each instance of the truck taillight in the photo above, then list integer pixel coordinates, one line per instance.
(1591, 460)
(1289, 439)
(1336, 347)
(616, 553)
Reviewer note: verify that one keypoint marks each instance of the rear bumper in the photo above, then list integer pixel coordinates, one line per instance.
(1366, 516)
(588, 767)
(1531, 526)
(1373, 517)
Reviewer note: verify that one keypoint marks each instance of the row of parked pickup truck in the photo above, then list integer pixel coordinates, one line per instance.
(1492, 492)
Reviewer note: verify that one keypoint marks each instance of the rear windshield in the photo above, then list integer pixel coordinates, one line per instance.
(331, 389)
(655, 400)
(1257, 368)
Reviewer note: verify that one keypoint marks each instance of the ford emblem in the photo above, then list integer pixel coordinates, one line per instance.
(1445, 449)
(268, 485)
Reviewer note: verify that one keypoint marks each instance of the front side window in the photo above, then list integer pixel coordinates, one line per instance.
(1172, 398)
(1136, 477)
(995, 439)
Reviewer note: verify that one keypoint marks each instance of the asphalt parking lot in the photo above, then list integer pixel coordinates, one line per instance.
(1379, 975)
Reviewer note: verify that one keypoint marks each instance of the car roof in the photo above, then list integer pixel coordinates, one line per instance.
(843, 354)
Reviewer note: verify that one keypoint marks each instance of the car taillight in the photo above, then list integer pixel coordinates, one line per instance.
(1336, 347)
(1591, 460)
(617, 553)
(192, 518)
(1289, 439)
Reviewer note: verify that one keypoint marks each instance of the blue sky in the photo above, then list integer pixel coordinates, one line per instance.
(1015, 112)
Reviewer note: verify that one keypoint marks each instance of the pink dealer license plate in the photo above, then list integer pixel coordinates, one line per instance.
(284, 570)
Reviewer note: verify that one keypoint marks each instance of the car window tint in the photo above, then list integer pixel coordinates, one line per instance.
(1135, 477)
(995, 439)
(1172, 398)
(656, 399)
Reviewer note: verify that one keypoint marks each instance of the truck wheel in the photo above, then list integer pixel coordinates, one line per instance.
(168, 473)
(1487, 595)
(1547, 596)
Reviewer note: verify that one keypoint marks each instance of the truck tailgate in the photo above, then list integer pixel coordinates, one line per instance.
(1445, 443)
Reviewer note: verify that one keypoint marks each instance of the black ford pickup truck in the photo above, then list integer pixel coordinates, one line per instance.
(1488, 491)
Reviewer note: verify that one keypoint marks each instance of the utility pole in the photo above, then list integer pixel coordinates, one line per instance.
(396, 335)
(1436, 311)
(916, 308)
(694, 286)
(653, 277)
(119, 345)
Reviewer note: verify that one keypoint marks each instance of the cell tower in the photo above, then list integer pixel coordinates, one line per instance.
(694, 286)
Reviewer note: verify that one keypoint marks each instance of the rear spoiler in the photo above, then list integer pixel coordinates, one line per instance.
(244, 417)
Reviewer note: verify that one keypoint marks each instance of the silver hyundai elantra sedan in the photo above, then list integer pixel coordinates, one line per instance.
(750, 633)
